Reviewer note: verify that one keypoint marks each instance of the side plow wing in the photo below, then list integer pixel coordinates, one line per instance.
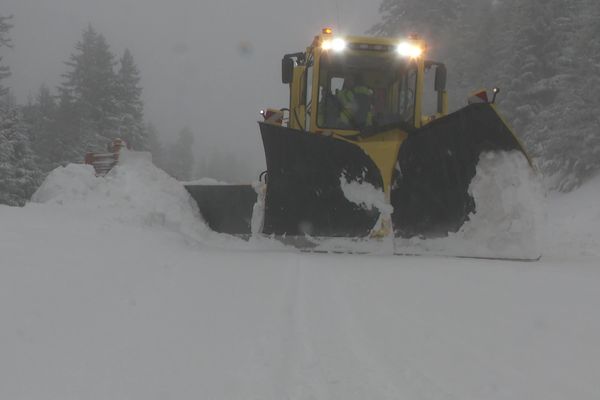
(225, 208)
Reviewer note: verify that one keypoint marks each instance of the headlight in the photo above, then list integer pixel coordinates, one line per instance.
(337, 44)
(407, 49)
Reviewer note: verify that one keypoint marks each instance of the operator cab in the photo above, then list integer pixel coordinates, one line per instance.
(351, 85)
(382, 91)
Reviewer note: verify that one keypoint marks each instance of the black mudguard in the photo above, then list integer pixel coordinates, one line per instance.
(430, 189)
(304, 195)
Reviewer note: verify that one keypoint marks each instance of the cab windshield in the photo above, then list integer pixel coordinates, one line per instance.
(362, 91)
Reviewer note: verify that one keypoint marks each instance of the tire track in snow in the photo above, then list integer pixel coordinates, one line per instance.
(392, 382)
(294, 378)
(326, 354)
(323, 350)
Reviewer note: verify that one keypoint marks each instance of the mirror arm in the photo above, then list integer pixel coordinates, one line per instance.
(495, 90)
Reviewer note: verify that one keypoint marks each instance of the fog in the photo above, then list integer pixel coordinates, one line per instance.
(209, 65)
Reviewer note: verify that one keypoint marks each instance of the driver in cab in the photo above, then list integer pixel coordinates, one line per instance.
(355, 100)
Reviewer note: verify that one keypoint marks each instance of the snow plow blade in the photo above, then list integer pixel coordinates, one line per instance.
(435, 167)
(304, 195)
(429, 188)
(225, 208)
(359, 156)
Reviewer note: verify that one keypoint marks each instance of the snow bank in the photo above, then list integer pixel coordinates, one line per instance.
(134, 192)
(573, 227)
(138, 194)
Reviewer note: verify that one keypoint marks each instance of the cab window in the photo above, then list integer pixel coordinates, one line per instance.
(358, 91)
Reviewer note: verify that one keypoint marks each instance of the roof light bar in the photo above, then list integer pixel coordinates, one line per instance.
(337, 45)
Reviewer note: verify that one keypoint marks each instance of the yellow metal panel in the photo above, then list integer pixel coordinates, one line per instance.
(419, 93)
(316, 55)
(297, 111)
(383, 149)
(444, 102)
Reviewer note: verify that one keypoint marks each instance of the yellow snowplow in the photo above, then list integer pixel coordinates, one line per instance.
(371, 111)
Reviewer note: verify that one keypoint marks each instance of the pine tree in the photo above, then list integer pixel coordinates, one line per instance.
(41, 116)
(430, 19)
(567, 132)
(473, 52)
(544, 55)
(5, 41)
(179, 158)
(542, 90)
(19, 175)
(154, 145)
(130, 105)
(70, 138)
(90, 92)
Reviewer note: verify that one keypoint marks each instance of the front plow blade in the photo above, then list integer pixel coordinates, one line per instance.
(436, 164)
(304, 194)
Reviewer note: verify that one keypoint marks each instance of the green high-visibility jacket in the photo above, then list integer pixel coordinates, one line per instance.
(351, 109)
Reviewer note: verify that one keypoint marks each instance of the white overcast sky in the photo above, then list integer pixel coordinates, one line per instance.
(188, 51)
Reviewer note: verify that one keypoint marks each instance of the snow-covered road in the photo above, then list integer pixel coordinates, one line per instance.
(100, 302)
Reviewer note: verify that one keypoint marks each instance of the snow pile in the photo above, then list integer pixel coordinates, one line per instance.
(509, 207)
(134, 192)
(573, 227)
(508, 219)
